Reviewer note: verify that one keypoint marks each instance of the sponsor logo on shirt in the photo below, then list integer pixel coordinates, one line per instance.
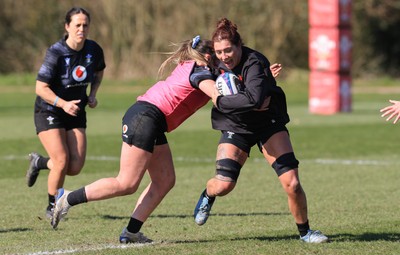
(79, 73)
(82, 84)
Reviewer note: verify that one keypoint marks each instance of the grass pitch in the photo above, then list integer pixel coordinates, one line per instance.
(348, 168)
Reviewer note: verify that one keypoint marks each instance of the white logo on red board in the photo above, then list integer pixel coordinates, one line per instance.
(324, 47)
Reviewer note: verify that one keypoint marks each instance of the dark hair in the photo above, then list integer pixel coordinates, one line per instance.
(226, 30)
(73, 11)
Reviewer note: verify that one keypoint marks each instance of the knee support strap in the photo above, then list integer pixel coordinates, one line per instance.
(285, 163)
(228, 168)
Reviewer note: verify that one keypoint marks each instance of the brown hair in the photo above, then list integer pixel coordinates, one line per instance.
(226, 30)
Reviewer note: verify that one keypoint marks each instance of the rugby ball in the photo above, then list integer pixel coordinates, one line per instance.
(228, 83)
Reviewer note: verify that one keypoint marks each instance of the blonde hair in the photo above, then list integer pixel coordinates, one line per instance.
(185, 52)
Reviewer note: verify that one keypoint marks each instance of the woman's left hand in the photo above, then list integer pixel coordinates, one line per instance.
(275, 69)
(92, 101)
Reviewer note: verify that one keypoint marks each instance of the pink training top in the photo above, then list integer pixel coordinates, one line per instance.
(175, 97)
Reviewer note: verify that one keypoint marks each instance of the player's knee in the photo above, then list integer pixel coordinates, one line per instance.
(60, 163)
(171, 184)
(123, 187)
(164, 180)
(128, 189)
(167, 184)
(285, 163)
(74, 170)
(75, 165)
(227, 170)
(294, 187)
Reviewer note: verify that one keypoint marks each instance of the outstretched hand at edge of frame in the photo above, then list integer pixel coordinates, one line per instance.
(392, 111)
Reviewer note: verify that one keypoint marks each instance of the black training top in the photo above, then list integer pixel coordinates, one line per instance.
(236, 112)
(70, 72)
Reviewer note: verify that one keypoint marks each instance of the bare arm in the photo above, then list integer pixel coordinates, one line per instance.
(43, 90)
(208, 87)
(98, 77)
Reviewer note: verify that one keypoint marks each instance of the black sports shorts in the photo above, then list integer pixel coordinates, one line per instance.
(45, 119)
(246, 141)
(144, 126)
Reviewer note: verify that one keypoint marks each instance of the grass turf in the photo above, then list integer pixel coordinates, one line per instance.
(349, 170)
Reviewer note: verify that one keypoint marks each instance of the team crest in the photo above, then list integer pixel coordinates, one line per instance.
(230, 134)
(67, 60)
(50, 119)
(88, 58)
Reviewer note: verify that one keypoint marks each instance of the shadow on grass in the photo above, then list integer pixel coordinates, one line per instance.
(15, 230)
(182, 216)
(258, 238)
(366, 237)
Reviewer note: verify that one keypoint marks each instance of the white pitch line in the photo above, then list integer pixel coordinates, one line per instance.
(212, 160)
(352, 162)
(69, 251)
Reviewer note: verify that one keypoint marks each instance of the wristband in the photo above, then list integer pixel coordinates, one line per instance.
(55, 101)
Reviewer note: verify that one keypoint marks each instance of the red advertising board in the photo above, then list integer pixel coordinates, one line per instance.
(330, 49)
(329, 93)
(329, 13)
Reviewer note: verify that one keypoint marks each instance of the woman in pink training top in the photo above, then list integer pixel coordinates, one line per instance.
(161, 109)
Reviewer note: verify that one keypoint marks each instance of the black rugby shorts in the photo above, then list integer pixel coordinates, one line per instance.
(45, 120)
(246, 141)
(144, 126)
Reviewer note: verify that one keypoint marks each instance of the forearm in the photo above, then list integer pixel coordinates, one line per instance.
(98, 77)
(238, 103)
(43, 90)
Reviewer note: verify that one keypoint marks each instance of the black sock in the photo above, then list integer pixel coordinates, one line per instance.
(211, 199)
(52, 200)
(303, 228)
(77, 197)
(41, 163)
(134, 225)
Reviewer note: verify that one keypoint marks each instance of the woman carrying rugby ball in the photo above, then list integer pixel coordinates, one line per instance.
(255, 115)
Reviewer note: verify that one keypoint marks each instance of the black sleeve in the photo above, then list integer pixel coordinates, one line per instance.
(257, 84)
(48, 69)
(101, 65)
(199, 74)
